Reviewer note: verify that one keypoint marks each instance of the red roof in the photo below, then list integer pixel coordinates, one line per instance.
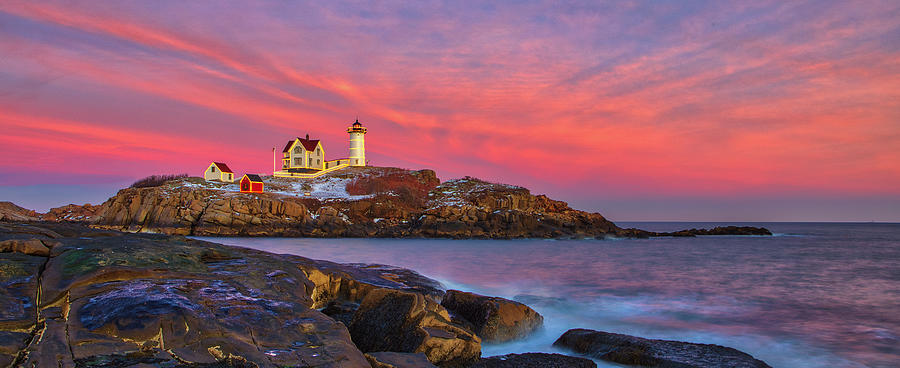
(309, 144)
(253, 178)
(222, 167)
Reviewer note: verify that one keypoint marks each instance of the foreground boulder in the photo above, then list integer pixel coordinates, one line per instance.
(170, 300)
(75, 296)
(401, 321)
(493, 319)
(534, 360)
(631, 350)
(391, 309)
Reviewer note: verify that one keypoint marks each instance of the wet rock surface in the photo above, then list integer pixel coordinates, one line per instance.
(401, 321)
(494, 319)
(98, 298)
(398, 360)
(534, 360)
(636, 351)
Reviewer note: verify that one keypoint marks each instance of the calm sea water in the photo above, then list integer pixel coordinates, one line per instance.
(814, 295)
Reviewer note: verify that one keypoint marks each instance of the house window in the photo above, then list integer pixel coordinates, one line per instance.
(297, 149)
(357, 161)
(212, 169)
(310, 161)
(318, 162)
(318, 151)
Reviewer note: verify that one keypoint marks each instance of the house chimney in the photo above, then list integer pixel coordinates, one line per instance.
(307, 137)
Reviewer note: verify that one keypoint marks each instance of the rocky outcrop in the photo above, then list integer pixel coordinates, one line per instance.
(10, 212)
(469, 207)
(718, 230)
(400, 321)
(493, 319)
(92, 298)
(636, 351)
(391, 309)
(186, 211)
(32, 247)
(162, 300)
(464, 208)
(724, 230)
(72, 212)
(352, 202)
(534, 360)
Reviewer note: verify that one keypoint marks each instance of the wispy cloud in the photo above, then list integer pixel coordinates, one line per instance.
(622, 99)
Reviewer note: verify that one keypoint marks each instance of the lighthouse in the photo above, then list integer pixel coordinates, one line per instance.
(357, 144)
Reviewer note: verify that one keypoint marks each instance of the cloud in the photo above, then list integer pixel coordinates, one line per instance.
(721, 99)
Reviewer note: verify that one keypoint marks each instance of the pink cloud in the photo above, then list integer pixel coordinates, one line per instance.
(714, 110)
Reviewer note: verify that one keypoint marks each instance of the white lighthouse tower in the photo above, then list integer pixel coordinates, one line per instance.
(357, 144)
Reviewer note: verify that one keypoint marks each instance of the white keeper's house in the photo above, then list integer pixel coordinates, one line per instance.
(305, 158)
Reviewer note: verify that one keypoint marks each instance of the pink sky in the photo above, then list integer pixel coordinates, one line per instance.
(638, 110)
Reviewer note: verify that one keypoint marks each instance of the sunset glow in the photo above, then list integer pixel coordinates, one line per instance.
(594, 104)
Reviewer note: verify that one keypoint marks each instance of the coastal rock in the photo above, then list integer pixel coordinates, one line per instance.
(494, 319)
(631, 350)
(389, 309)
(398, 360)
(72, 213)
(10, 212)
(104, 299)
(34, 247)
(401, 321)
(18, 302)
(386, 202)
(181, 209)
(718, 230)
(728, 230)
(534, 360)
(351, 202)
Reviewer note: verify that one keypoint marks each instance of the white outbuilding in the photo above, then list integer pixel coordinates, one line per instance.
(219, 171)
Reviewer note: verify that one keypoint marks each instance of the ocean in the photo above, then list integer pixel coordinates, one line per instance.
(813, 295)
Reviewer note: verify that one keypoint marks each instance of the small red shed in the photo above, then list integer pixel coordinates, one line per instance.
(251, 183)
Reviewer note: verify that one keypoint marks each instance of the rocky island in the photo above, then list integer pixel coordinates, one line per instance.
(353, 202)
